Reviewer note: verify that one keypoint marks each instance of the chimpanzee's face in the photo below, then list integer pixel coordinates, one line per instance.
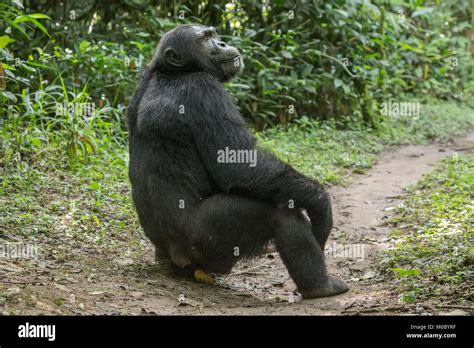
(216, 51)
(196, 47)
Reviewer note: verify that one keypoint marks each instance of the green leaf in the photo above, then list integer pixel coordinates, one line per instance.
(16, 26)
(27, 18)
(286, 54)
(83, 46)
(411, 48)
(38, 65)
(240, 85)
(138, 44)
(422, 11)
(307, 70)
(346, 89)
(39, 16)
(9, 95)
(8, 67)
(269, 91)
(5, 40)
(95, 186)
(401, 272)
(342, 13)
(338, 83)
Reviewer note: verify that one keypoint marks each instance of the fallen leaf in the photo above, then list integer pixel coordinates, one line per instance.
(202, 276)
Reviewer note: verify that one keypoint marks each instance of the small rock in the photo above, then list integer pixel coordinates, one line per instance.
(122, 261)
(369, 274)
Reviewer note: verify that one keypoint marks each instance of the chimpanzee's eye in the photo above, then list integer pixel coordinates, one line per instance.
(208, 34)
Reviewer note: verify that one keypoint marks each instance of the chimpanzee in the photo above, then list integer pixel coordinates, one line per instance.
(206, 196)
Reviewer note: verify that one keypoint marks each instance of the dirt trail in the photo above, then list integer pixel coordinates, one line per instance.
(262, 286)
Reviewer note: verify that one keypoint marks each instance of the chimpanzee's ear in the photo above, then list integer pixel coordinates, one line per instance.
(172, 57)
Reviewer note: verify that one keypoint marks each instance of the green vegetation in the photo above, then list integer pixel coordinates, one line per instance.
(326, 60)
(86, 208)
(329, 154)
(432, 253)
(69, 72)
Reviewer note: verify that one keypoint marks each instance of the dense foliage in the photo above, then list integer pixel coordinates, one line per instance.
(325, 60)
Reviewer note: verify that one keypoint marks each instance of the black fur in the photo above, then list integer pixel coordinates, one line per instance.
(231, 211)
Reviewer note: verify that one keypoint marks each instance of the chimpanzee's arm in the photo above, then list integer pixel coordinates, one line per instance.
(219, 131)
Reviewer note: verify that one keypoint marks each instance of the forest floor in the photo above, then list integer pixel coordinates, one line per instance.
(71, 278)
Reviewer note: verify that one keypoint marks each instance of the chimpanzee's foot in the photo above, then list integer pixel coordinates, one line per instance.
(334, 286)
(202, 276)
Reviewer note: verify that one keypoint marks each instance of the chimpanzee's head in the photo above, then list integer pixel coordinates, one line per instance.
(196, 47)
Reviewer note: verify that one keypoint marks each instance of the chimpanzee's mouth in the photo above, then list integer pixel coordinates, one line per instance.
(233, 66)
(233, 58)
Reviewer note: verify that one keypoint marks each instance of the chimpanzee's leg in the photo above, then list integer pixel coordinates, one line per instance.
(304, 258)
(321, 218)
(225, 228)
